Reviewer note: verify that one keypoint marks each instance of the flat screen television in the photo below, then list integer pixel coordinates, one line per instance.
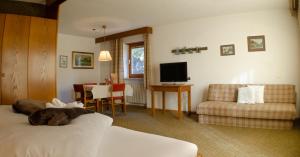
(173, 72)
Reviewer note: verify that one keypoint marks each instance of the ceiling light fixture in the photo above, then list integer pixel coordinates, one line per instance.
(104, 55)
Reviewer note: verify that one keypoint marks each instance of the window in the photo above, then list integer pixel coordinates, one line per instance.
(136, 60)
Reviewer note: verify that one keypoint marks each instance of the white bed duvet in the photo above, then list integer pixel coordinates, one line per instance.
(89, 135)
(121, 142)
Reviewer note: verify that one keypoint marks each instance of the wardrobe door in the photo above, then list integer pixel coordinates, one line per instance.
(14, 58)
(41, 59)
(2, 22)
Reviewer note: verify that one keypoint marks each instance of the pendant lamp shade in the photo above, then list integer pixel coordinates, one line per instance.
(104, 56)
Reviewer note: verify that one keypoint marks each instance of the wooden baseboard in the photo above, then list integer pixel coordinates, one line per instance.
(159, 109)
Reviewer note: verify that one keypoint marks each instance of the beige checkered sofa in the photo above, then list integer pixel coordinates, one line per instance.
(221, 107)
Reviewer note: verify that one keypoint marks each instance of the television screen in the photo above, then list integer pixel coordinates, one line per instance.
(173, 72)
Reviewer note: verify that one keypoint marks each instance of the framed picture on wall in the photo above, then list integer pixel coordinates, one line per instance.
(82, 60)
(227, 50)
(256, 43)
(63, 61)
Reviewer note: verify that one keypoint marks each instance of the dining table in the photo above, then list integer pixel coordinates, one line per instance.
(103, 91)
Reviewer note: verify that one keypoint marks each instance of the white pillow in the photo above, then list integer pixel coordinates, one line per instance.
(56, 103)
(259, 93)
(246, 95)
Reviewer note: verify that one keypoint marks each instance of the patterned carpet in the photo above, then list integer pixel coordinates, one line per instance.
(214, 141)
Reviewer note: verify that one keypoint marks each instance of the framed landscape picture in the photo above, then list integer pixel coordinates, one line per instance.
(63, 61)
(227, 50)
(256, 43)
(82, 60)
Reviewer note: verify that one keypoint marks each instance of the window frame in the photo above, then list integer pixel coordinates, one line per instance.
(130, 47)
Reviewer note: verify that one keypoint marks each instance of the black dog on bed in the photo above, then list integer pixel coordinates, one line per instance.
(56, 116)
(38, 115)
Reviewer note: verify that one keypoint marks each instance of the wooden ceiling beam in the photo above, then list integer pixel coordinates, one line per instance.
(52, 8)
(143, 30)
(22, 8)
(54, 2)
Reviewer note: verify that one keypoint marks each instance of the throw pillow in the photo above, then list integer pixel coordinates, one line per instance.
(246, 95)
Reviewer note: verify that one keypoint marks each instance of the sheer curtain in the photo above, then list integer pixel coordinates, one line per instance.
(147, 61)
(117, 56)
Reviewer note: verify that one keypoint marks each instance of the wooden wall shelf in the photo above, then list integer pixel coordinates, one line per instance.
(188, 50)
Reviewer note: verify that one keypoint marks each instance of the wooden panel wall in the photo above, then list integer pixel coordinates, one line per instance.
(41, 59)
(2, 24)
(14, 58)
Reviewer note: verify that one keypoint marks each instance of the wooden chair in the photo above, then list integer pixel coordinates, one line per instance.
(112, 80)
(88, 100)
(79, 92)
(117, 93)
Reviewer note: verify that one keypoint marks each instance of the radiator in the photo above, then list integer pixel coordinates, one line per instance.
(139, 92)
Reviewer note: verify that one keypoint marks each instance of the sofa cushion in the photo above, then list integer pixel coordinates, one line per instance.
(246, 122)
(280, 94)
(233, 109)
(223, 92)
(273, 93)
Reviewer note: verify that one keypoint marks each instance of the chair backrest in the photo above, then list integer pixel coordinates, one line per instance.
(273, 93)
(78, 89)
(100, 91)
(118, 87)
(117, 90)
(87, 88)
(114, 78)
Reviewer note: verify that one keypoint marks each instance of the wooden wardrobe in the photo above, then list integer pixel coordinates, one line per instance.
(27, 58)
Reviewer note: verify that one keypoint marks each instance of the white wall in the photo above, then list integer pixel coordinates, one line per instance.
(66, 77)
(278, 64)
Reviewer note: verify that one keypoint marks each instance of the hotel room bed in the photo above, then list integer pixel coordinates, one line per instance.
(89, 135)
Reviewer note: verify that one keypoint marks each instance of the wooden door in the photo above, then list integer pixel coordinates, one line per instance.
(14, 58)
(41, 59)
(2, 22)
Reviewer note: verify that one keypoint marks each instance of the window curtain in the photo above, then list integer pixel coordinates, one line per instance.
(112, 53)
(117, 56)
(120, 60)
(147, 61)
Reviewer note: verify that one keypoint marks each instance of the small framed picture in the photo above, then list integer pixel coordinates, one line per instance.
(82, 60)
(227, 50)
(256, 43)
(63, 61)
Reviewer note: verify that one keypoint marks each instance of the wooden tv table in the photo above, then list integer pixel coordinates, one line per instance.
(179, 88)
